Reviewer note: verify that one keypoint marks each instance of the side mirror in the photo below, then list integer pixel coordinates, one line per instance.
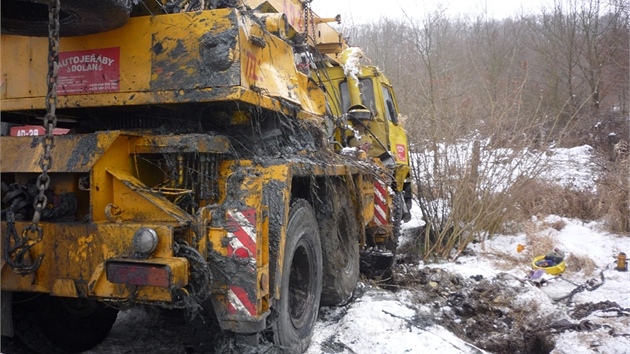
(392, 111)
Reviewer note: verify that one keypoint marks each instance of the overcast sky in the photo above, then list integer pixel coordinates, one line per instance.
(360, 11)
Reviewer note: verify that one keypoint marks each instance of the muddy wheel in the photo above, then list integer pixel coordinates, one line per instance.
(57, 325)
(340, 248)
(301, 285)
(391, 244)
(408, 197)
(76, 17)
(397, 220)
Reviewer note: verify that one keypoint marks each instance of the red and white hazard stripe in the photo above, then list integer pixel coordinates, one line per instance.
(239, 302)
(380, 204)
(241, 226)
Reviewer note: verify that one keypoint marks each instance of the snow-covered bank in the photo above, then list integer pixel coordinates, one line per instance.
(409, 320)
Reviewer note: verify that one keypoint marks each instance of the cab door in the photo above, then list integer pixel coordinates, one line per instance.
(397, 134)
(398, 143)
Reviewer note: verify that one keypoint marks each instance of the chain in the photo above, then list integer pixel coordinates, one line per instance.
(50, 119)
(17, 247)
(312, 18)
(309, 19)
(306, 8)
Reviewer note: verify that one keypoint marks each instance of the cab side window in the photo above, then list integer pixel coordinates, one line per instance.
(390, 108)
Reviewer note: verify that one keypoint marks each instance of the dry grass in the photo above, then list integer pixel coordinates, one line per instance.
(548, 198)
(557, 225)
(613, 202)
(524, 310)
(538, 243)
(580, 263)
(506, 264)
(503, 260)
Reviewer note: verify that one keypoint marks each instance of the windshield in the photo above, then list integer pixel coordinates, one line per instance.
(367, 95)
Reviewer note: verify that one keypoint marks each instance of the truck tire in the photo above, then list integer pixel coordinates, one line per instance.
(49, 324)
(76, 17)
(391, 244)
(301, 278)
(340, 249)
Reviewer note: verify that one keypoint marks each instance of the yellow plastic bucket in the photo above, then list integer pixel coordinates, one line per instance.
(555, 270)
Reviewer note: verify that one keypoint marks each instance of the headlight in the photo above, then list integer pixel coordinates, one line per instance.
(145, 241)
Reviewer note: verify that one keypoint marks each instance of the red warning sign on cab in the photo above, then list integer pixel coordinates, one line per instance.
(89, 71)
(401, 151)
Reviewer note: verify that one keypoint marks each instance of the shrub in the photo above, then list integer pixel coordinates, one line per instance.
(613, 198)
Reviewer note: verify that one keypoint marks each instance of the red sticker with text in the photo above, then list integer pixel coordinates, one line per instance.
(89, 71)
(402, 152)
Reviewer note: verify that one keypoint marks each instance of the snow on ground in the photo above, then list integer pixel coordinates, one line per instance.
(382, 322)
(389, 322)
(573, 167)
(567, 167)
(580, 239)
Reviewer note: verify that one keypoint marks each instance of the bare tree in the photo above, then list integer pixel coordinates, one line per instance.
(578, 41)
(470, 84)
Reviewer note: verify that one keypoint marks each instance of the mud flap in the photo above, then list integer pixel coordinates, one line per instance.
(237, 304)
(382, 238)
(7, 315)
(377, 264)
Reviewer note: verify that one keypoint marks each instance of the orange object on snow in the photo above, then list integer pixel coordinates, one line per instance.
(519, 248)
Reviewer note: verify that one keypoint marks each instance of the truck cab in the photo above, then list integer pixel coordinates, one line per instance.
(381, 128)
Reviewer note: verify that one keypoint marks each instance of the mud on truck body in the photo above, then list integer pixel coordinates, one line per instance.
(228, 158)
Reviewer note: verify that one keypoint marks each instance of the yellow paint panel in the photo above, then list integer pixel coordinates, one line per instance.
(209, 56)
(293, 9)
(115, 157)
(268, 64)
(74, 251)
(64, 287)
(281, 176)
(194, 50)
(24, 62)
(216, 237)
(367, 190)
(12, 281)
(72, 153)
(136, 202)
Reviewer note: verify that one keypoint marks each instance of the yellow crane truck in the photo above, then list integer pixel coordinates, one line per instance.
(231, 158)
